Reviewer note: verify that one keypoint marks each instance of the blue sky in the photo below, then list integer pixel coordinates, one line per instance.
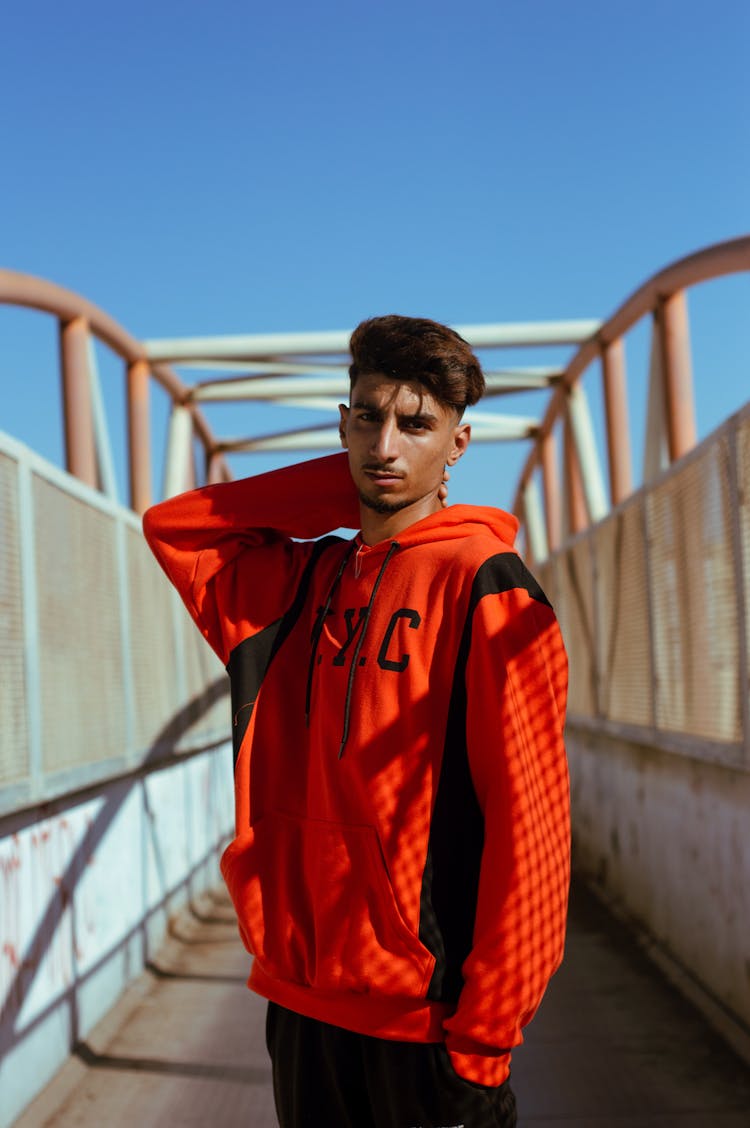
(231, 168)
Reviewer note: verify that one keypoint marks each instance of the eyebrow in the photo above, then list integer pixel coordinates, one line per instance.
(365, 405)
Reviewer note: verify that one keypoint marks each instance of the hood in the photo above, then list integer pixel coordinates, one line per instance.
(456, 522)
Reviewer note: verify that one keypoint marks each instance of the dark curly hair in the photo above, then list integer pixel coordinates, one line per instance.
(415, 348)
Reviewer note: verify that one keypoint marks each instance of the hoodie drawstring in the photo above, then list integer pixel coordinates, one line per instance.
(319, 630)
(355, 657)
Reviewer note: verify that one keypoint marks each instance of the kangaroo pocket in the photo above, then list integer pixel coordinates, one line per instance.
(316, 907)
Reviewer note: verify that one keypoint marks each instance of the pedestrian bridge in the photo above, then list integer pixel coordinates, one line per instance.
(115, 760)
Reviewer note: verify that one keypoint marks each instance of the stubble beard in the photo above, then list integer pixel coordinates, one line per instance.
(381, 505)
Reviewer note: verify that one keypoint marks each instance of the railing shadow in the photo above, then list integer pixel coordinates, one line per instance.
(161, 753)
(242, 1074)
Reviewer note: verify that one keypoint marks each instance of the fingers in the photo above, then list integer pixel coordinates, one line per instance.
(442, 493)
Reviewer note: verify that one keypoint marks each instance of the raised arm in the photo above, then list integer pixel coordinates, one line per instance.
(228, 548)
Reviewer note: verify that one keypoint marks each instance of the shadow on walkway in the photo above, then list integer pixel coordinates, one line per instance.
(612, 1045)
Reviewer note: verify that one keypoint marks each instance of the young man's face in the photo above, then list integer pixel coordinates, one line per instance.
(399, 439)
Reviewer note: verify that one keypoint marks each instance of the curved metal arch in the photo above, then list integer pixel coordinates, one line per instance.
(275, 366)
(662, 295)
(79, 319)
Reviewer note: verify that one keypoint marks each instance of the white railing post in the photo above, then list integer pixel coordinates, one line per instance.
(588, 456)
(537, 534)
(102, 445)
(177, 469)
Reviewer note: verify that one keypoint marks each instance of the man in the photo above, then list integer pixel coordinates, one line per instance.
(401, 860)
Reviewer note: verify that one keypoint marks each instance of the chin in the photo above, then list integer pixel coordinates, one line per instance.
(382, 504)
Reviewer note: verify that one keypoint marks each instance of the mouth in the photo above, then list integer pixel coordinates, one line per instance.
(383, 477)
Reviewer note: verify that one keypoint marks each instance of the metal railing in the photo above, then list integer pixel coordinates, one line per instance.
(103, 670)
(557, 494)
(561, 490)
(653, 603)
(87, 454)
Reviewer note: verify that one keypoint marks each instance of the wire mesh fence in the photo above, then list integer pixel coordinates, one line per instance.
(102, 669)
(652, 603)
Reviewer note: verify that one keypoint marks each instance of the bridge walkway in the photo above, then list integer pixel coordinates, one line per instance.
(613, 1045)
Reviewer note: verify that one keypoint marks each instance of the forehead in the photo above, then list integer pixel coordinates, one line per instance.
(405, 397)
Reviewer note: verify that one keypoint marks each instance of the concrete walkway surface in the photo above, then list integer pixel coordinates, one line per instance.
(612, 1045)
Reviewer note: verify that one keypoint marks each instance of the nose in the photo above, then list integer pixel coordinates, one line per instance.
(384, 446)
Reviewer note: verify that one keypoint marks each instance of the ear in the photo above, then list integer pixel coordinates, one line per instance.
(461, 437)
(343, 417)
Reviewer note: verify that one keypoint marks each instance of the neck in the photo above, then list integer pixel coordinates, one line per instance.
(377, 527)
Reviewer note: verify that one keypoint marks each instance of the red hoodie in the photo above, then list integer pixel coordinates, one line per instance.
(401, 859)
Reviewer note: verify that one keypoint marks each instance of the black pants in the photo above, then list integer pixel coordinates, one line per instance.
(326, 1077)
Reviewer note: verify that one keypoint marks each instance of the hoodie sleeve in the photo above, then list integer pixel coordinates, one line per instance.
(228, 548)
(516, 679)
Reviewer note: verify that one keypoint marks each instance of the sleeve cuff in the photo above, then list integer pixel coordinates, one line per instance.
(488, 1067)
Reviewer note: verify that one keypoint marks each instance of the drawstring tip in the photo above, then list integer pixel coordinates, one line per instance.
(341, 749)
